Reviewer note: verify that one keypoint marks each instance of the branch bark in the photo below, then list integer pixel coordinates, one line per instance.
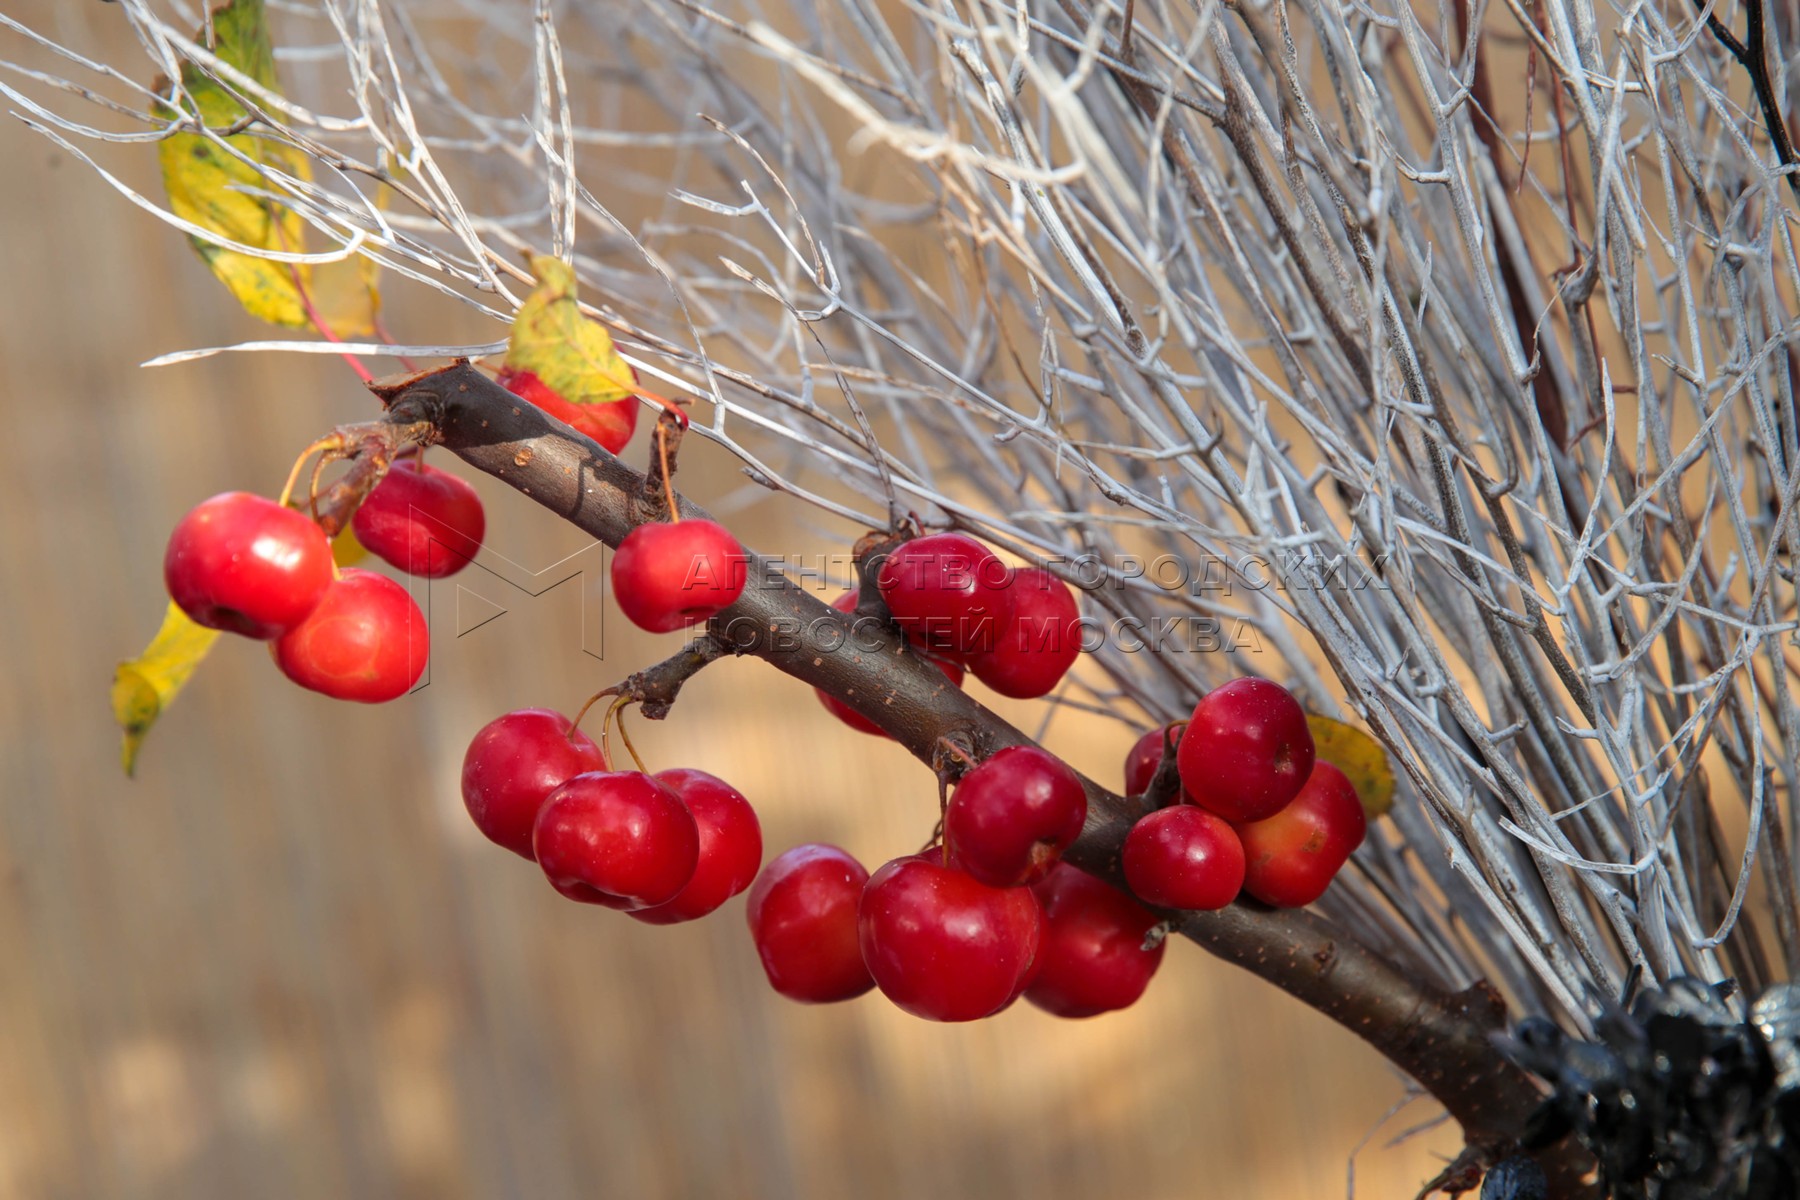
(1442, 1040)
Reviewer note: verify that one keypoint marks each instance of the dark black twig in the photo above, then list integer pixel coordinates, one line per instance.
(1752, 53)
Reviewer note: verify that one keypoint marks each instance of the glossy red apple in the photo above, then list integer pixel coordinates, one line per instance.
(666, 576)
(802, 914)
(947, 591)
(1247, 750)
(1012, 816)
(1093, 958)
(514, 763)
(422, 520)
(1292, 857)
(365, 641)
(616, 838)
(1038, 644)
(942, 946)
(1184, 857)
(244, 564)
(730, 846)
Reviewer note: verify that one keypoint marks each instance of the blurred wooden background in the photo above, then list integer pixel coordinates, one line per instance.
(282, 964)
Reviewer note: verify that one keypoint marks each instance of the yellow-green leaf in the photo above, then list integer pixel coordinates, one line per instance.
(346, 549)
(205, 182)
(1361, 759)
(572, 354)
(206, 186)
(345, 296)
(145, 686)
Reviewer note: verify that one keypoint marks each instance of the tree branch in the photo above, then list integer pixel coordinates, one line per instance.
(1442, 1040)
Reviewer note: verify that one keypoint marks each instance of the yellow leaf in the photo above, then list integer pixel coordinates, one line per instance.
(345, 296)
(145, 686)
(572, 354)
(1361, 759)
(346, 550)
(206, 186)
(205, 182)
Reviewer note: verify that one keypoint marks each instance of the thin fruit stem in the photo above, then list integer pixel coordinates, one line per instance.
(616, 715)
(673, 407)
(936, 839)
(591, 701)
(330, 456)
(662, 453)
(331, 441)
(939, 834)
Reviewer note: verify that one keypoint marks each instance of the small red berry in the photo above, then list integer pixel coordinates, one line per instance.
(366, 641)
(514, 763)
(942, 946)
(422, 520)
(669, 575)
(1093, 958)
(1184, 857)
(846, 604)
(1247, 750)
(616, 838)
(1146, 755)
(730, 846)
(609, 422)
(1011, 817)
(947, 591)
(1036, 648)
(802, 914)
(1292, 857)
(244, 564)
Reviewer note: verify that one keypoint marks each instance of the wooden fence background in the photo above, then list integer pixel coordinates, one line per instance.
(280, 963)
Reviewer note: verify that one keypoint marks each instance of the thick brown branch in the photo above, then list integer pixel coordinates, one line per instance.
(1442, 1040)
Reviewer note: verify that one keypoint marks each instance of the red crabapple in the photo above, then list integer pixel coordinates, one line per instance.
(1184, 857)
(422, 520)
(1292, 857)
(365, 641)
(514, 763)
(616, 838)
(730, 846)
(669, 575)
(948, 591)
(942, 946)
(1247, 750)
(244, 564)
(1093, 958)
(802, 914)
(1011, 817)
(1038, 645)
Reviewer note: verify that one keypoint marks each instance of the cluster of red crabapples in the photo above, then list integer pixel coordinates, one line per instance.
(963, 929)
(1017, 629)
(952, 934)
(1258, 812)
(664, 848)
(249, 565)
(957, 932)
